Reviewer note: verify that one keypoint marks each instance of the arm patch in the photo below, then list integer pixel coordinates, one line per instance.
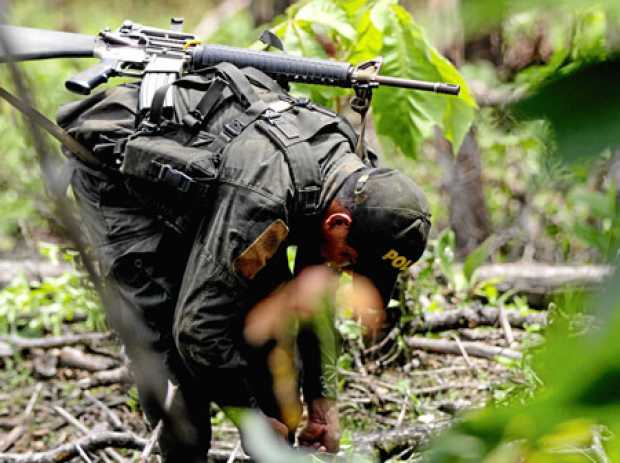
(256, 256)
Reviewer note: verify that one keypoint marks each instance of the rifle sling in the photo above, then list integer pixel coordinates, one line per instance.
(54, 130)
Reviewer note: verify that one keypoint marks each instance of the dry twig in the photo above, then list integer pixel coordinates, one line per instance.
(17, 432)
(112, 416)
(79, 425)
(90, 443)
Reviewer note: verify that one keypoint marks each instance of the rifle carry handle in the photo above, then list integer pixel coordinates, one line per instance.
(87, 80)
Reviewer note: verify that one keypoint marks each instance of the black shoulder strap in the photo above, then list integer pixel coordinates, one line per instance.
(303, 164)
(238, 83)
(157, 104)
(263, 80)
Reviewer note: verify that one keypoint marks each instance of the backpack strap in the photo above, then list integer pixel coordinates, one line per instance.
(303, 165)
(255, 107)
(216, 92)
(157, 104)
(237, 125)
(238, 83)
(262, 80)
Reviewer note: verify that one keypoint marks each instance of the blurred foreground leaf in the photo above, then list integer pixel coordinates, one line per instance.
(580, 400)
(583, 108)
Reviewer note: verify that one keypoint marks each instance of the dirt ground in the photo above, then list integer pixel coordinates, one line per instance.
(393, 398)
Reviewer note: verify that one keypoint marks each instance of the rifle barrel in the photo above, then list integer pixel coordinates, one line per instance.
(437, 87)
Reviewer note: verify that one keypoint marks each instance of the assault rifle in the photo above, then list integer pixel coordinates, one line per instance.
(159, 56)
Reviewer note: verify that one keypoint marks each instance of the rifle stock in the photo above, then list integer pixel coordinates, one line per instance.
(25, 43)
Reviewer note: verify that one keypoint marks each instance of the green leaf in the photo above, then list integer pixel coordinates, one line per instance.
(582, 107)
(328, 14)
(445, 253)
(590, 39)
(369, 40)
(409, 117)
(475, 259)
(298, 39)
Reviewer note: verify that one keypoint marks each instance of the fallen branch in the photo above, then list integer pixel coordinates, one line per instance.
(75, 358)
(471, 317)
(79, 425)
(119, 375)
(542, 279)
(55, 341)
(476, 349)
(89, 443)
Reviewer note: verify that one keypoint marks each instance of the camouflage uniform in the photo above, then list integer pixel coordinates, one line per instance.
(185, 289)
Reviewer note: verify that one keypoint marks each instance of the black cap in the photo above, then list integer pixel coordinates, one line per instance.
(390, 225)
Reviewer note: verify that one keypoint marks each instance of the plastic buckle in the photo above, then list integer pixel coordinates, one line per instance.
(233, 129)
(174, 178)
(309, 199)
(302, 101)
(193, 119)
(147, 126)
(269, 115)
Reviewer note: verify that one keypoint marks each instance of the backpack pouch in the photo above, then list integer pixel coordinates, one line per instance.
(163, 160)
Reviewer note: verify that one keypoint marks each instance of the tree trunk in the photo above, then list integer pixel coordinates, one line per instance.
(463, 181)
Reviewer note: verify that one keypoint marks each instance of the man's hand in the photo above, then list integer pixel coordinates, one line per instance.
(323, 429)
(280, 428)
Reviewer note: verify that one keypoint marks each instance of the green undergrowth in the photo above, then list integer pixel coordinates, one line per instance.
(34, 309)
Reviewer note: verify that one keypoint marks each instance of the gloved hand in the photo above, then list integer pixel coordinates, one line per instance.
(322, 432)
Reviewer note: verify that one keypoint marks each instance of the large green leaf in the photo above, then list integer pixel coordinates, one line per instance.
(366, 29)
(408, 117)
(328, 14)
(590, 41)
(582, 107)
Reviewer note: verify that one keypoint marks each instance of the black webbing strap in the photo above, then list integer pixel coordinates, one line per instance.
(202, 110)
(348, 131)
(303, 165)
(238, 83)
(237, 125)
(157, 104)
(307, 177)
(261, 79)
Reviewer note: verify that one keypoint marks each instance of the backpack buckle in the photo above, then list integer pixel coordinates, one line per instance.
(309, 198)
(233, 129)
(173, 177)
(193, 119)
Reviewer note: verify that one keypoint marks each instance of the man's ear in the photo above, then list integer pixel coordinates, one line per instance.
(338, 219)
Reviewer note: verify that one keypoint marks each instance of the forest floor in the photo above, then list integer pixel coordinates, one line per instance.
(394, 397)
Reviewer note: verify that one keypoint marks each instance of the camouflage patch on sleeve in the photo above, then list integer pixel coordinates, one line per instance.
(256, 256)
